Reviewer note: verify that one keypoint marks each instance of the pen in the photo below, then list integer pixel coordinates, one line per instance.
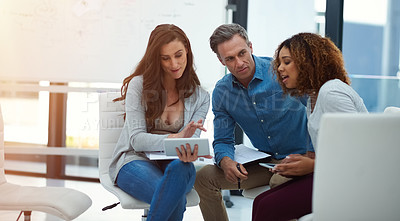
(238, 167)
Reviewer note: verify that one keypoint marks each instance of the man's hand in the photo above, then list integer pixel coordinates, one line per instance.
(232, 174)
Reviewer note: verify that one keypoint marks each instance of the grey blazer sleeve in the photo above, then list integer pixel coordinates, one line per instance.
(196, 108)
(135, 120)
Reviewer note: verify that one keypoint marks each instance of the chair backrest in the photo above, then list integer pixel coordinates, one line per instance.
(357, 168)
(111, 121)
(110, 125)
(2, 175)
(392, 110)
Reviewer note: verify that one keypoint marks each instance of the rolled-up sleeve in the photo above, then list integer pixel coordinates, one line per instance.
(224, 126)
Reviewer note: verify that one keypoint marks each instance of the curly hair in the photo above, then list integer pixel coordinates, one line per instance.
(318, 60)
(153, 95)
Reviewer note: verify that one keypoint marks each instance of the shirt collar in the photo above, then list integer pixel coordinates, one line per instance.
(260, 68)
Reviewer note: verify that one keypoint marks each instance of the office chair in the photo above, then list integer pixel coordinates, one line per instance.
(357, 168)
(110, 126)
(59, 201)
(392, 110)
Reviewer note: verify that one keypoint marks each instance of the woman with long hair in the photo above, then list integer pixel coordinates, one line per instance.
(163, 99)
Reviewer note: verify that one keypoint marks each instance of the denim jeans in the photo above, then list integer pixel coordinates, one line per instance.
(161, 184)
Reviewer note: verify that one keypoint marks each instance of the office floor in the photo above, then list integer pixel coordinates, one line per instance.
(241, 210)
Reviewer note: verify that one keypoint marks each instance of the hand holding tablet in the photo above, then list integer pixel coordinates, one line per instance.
(172, 143)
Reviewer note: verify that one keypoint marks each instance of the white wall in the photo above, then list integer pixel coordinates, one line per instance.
(272, 21)
(98, 40)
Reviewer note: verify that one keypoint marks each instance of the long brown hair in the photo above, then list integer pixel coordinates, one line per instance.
(153, 95)
(318, 60)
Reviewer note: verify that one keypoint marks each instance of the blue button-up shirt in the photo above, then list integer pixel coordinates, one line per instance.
(275, 123)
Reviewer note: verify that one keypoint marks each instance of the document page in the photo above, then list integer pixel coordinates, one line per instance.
(245, 154)
(159, 155)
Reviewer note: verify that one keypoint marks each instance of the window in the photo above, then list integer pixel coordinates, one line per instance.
(371, 51)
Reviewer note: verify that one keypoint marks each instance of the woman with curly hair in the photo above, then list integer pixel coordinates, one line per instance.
(306, 65)
(163, 99)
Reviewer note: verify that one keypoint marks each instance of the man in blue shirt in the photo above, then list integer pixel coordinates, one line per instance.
(251, 97)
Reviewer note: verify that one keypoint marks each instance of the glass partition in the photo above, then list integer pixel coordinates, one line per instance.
(378, 92)
(371, 39)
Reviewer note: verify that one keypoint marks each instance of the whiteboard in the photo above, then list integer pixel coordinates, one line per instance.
(99, 40)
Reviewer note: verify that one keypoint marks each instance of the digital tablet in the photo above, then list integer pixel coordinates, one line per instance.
(171, 143)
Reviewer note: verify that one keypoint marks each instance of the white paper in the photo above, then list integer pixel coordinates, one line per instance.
(245, 154)
(158, 155)
(204, 161)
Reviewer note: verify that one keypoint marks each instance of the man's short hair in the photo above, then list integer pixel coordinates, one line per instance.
(226, 32)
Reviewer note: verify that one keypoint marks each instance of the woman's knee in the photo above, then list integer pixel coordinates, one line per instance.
(181, 168)
(266, 200)
(256, 201)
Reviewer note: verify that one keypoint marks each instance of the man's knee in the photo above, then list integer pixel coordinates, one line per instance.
(277, 180)
(205, 174)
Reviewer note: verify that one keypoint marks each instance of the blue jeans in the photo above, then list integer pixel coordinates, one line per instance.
(162, 184)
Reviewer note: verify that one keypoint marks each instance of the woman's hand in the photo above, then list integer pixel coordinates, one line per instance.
(189, 130)
(186, 155)
(294, 165)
